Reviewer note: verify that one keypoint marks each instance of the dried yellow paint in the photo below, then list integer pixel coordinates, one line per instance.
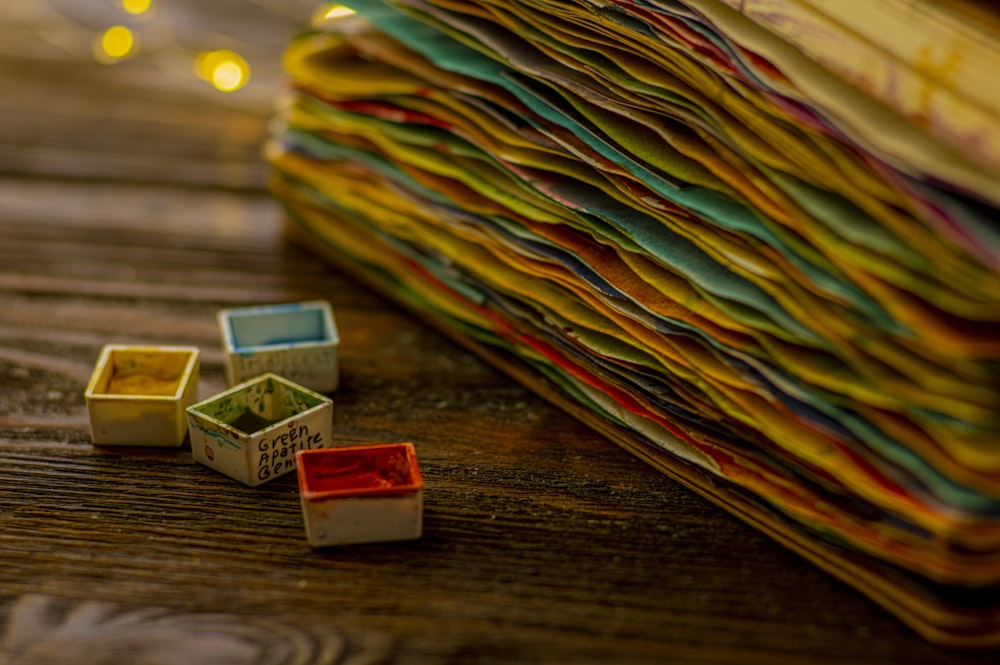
(142, 384)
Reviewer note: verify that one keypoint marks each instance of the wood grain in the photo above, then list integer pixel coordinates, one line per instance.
(41, 630)
(543, 541)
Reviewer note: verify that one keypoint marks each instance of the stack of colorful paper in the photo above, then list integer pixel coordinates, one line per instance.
(777, 280)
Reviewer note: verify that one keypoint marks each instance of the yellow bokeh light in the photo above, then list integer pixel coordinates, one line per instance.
(136, 7)
(224, 69)
(228, 76)
(206, 62)
(116, 43)
(332, 12)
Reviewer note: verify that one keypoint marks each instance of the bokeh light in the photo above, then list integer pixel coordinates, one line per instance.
(136, 7)
(116, 43)
(226, 70)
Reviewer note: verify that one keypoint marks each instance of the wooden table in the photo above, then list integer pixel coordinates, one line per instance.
(133, 208)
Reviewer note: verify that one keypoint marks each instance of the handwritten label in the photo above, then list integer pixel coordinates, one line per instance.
(277, 453)
(292, 363)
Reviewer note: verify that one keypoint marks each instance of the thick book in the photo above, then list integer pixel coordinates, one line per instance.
(700, 240)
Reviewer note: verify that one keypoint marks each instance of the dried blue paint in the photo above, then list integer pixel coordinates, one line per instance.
(288, 327)
(295, 340)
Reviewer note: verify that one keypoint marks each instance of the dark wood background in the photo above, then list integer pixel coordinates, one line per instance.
(132, 208)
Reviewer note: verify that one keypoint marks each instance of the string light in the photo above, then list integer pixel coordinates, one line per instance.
(145, 33)
(224, 69)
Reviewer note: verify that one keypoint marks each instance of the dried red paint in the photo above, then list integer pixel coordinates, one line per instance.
(388, 469)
